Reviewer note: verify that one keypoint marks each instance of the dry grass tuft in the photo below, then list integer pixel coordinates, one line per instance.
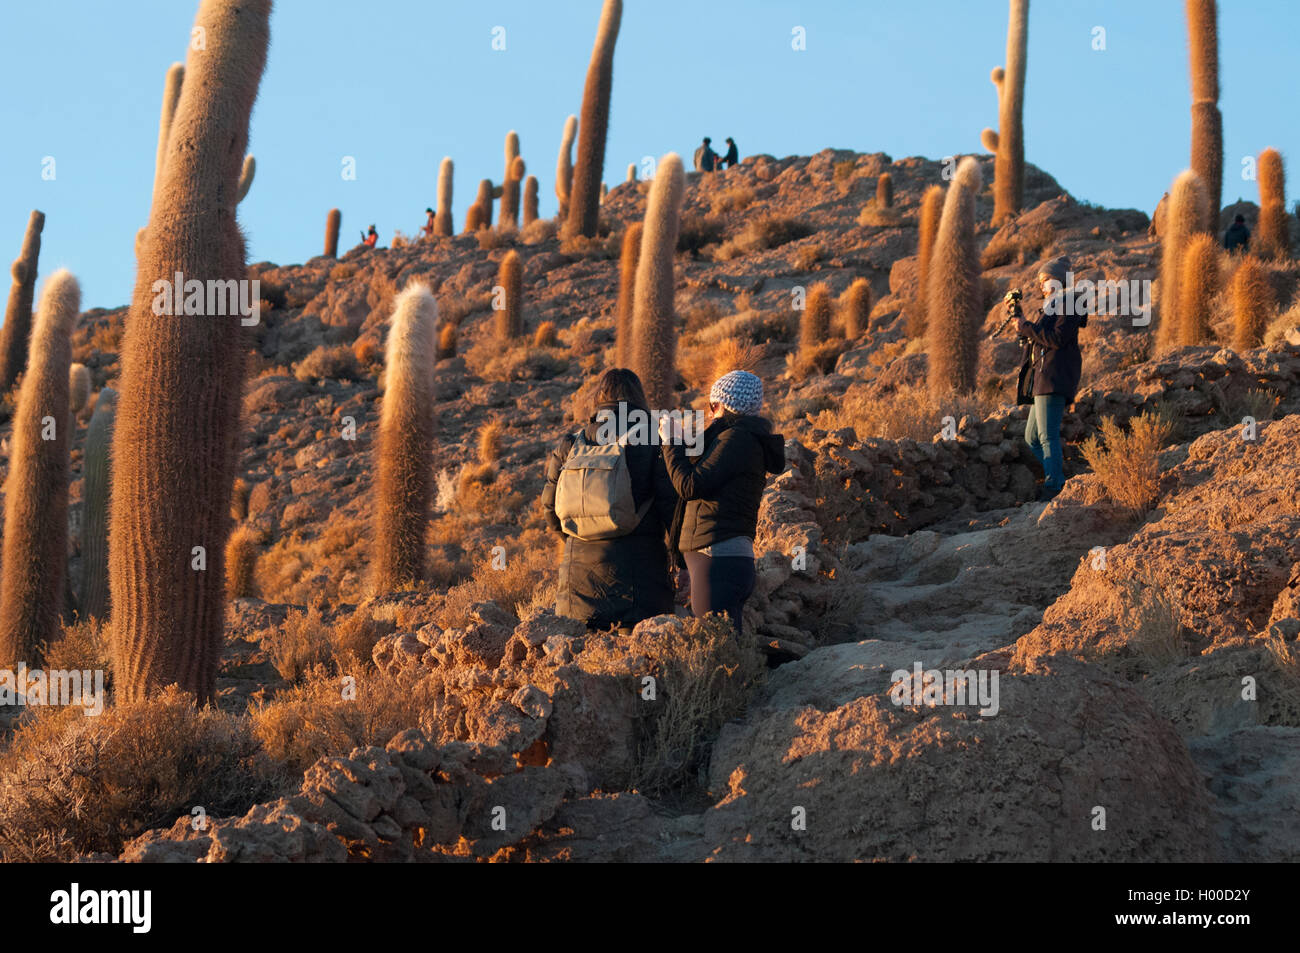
(1128, 463)
(760, 234)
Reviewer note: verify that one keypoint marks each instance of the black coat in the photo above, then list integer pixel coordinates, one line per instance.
(623, 580)
(1051, 362)
(1237, 235)
(721, 489)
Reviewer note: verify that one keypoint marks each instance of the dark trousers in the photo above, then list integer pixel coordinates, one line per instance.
(720, 584)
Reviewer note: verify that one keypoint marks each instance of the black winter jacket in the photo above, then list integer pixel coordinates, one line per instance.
(721, 489)
(1051, 362)
(623, 580)
(1237, 236)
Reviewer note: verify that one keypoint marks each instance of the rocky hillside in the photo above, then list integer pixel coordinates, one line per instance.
(1125, 641)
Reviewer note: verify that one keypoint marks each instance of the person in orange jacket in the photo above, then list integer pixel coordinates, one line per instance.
(370, 238)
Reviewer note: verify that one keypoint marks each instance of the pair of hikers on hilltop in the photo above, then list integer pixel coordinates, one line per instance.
(631, 511)
(706, 160)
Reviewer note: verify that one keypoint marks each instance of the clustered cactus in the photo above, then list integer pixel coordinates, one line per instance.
(18, 310)
(654, 355)
(931, 212)
(1008, 143)
(1187, 213)
(404, 452)
(177, 426)
(584, 200)
(953, 298)
(35, 548)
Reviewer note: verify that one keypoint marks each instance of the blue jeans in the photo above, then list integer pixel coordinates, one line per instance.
(1043, 434)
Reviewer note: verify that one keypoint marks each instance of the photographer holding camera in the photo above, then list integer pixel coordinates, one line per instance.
(1049, 370)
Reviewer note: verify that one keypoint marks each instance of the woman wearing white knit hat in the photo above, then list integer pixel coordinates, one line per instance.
(720, 491)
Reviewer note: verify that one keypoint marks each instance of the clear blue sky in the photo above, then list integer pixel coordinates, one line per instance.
(398, 84)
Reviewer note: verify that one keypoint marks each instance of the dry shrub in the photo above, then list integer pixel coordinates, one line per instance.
(756, 327)
(872, 216)
(82, 647)
(491, 238)
(342, 271)
(537, 231)
(300, 644)
(71, 784)
(698, 232)
(455, 310)
(447, 342)
(334, 713)
(1028, 245)
(806, 258)
(367, 351)
(910, 413)
(400, 239)
(598, 248)
(530, 570)
(241, 562)
(735, 199)
(294, 570)
(760, 234)
(703, 679)
(1258, 404)
(1153, 618)
(326, 362)
(1128, 463)
(843, 172)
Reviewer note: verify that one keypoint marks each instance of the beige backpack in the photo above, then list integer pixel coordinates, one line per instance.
(593, 496)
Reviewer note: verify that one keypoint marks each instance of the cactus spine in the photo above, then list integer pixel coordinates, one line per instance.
(584, 200)
(1200, 283)
(1272, 236)
(623, 334)
(1207, 122)
(856, 308)
(510, 195)
(405, 450)
(178, 414)
(530, 200)
(35, 549)
(1252, 304)
(654, 355)
(885, 191)
(510, 280)
(442, 219)
(931, 212)
(1008, 143)
(1188, 213)
(96, 467)
(564, 166)
(18, 310)
(333, 222)
(953, 298)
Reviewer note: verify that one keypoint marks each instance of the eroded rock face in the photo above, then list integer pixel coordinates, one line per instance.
(879, 782)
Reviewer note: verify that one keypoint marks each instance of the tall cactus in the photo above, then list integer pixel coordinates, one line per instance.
(442, 224)
(510, 195)
(97, 469)
(78, 388)
(512, 153)
(1008, 143)
(1207, 122)
(931, 212)
(564, 166)
(404, 455)
(333, 222)
(584, 202)
(856, 308)
(35, 549)
(815, 322)
(484, 205)
(1273, 234)
(654, 327)
(178, 415)
(18, 311)
(1199, 276)
(627, 262)
(510, 281)
(954, 299)
(1252, 304)
(885, 191)
(530, 200)
(1188, 213)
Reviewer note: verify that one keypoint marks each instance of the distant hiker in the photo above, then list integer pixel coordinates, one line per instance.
(1049, 371)
(706, 160)
(732, 157)
(607, 492)
(370, 238)
(720, 490)
(1237, 237)
(429, 217)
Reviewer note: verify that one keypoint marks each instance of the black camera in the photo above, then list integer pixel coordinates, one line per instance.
(1013, 295)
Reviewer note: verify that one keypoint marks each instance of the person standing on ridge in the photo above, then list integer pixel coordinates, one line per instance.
(427, 230)
(706, 160)
(1237, 237)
